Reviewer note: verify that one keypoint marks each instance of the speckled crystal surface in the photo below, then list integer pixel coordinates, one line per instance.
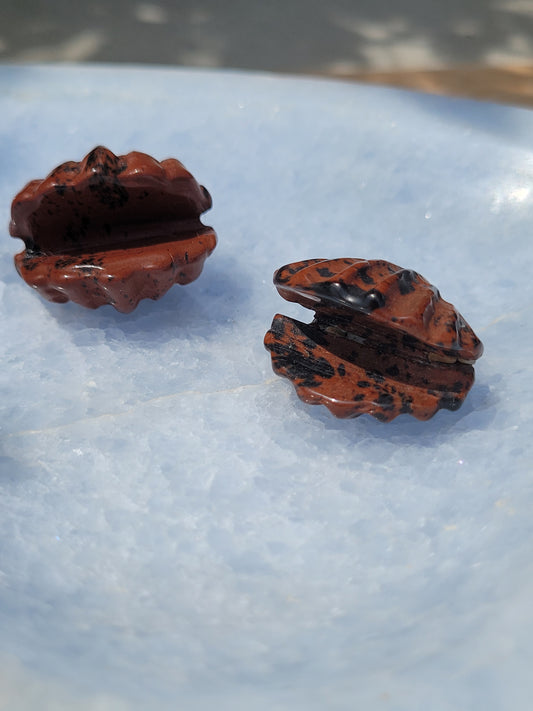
(178, 530)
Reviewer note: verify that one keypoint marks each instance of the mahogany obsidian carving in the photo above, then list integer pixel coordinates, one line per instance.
(112, 230)
(383, 341)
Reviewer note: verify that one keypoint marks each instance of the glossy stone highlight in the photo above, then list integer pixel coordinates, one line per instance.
(383, 341)
(112, 230)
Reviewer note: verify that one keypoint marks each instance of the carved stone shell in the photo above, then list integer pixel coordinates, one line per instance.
(112, 229)
(383, 340)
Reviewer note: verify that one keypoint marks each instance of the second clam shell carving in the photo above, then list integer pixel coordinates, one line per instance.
(383, 341)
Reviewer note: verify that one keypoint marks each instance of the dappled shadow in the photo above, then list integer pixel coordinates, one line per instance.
(415, 34)
(312, 36)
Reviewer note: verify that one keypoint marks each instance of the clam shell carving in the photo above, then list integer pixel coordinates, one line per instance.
(112, 229)
(383, 341)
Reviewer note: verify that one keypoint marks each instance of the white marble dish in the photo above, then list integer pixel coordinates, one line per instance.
(178, 530)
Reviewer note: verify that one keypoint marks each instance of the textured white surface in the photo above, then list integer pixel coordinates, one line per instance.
(177, 530)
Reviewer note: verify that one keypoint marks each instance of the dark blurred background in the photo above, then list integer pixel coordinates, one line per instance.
(483, 47)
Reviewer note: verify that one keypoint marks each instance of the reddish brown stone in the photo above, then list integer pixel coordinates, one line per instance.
(112, 230)
(383, 341)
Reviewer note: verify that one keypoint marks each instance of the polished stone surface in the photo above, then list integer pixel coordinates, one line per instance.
(383, 342)
(176, 528)
(111, 230)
